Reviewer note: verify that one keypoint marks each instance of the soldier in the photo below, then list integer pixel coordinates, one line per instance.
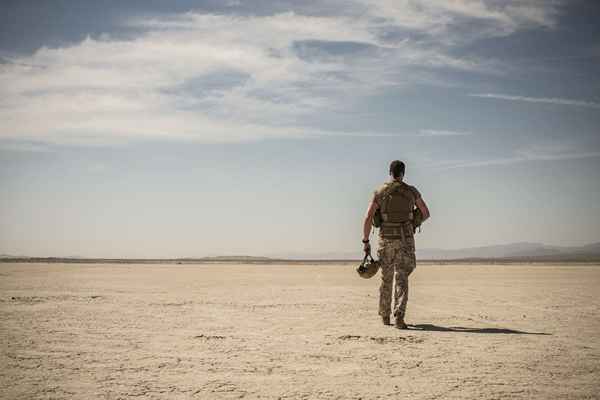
(396, 202)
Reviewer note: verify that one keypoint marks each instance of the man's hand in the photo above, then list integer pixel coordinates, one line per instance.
(366, 246)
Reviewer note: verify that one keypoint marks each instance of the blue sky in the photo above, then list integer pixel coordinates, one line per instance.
(191, 128)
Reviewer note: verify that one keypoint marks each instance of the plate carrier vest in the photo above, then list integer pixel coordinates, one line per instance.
(397, 205)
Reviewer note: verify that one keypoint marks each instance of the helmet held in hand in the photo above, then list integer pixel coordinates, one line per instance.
(368, 267)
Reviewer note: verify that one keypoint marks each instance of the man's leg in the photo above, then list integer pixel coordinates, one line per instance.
(403, 269)
(385, 290)
(400, 293)
(387, 279)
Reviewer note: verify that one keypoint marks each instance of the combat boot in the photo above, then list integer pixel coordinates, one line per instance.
(400, 323)
(386, 319)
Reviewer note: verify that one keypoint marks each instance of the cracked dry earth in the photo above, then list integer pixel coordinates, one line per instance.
(296, 332)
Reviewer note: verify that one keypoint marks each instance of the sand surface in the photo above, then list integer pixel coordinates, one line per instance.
(296, 332)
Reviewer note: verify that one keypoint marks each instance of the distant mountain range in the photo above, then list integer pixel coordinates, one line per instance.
(524, 251)
(511, 251)
(186, 260)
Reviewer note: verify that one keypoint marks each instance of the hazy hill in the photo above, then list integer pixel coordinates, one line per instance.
(227, 258)
(525, 250)
(513, 251)
(522, 250)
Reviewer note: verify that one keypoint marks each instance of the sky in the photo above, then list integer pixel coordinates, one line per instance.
(198, 128)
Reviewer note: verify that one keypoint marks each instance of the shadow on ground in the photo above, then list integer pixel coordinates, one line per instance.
(436, 328)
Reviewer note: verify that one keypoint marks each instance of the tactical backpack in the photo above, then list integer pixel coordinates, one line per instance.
(397, 211)
(416, 221)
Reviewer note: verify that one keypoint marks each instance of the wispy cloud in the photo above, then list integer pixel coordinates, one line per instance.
(460, 21)
(221, 78)
(24, 147)
(548, 100)
(547, 152)
(435, 132)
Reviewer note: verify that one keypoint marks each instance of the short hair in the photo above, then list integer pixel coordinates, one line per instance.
(397, 168)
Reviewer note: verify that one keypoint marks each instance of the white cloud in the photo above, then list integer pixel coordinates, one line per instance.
(548, 100)
(152, 85)
(540, 152)
(554, 151)
(449, 21)
(434, 132)
(24, 147)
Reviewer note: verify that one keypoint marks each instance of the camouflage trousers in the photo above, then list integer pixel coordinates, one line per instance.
(396, 256)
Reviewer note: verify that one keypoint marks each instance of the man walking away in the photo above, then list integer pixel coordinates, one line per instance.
(396, 202)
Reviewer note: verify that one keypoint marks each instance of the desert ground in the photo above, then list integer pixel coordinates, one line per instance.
(76, 331)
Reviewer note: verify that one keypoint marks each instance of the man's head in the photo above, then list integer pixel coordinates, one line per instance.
(397, 168)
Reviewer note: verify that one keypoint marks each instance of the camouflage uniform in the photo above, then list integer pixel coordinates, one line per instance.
(397, 256)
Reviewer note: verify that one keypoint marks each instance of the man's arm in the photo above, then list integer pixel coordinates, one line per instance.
(423, 207)
(369, 219)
